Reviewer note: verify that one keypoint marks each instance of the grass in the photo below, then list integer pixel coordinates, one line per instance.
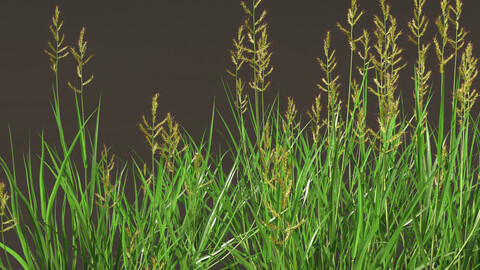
(330, 193)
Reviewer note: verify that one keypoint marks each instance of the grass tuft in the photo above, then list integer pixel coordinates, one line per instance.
(331, 193)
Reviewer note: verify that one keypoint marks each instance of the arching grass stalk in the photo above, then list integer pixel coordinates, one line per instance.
(353, 16)
(387, 64)
(418, 25)
(457, 43)
(55, 55)
(466, 97)
(355, 91)
(442, 23)
(259, 59)
(334, 132)
(81, 59)
(58, 51)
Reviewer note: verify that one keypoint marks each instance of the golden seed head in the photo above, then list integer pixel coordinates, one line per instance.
(418, 24)
(80, 56)
(55, 17)
(458, 41)
(265, 153)
(197, 162)
(465, 95)
(3, 198)
(106, 167)
(457, 10)
(242, 101)
(387, 64)
(260, 56)
(171, 138)
(290, 124)
(154, 108)
(330, 82)
(2, 188)
(57, 51)
(316, 119)
(352, 19)
(7, 224)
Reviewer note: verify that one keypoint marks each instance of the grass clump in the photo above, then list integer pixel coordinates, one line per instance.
(331, 193)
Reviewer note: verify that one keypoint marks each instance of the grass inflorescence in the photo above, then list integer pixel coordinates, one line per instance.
(331, 193)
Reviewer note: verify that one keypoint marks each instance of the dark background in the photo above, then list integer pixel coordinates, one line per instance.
(179, 49)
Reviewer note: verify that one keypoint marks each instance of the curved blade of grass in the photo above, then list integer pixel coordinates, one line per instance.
(15, 255)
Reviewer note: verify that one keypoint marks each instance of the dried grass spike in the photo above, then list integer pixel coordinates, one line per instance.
(57, 51)
(3, 198)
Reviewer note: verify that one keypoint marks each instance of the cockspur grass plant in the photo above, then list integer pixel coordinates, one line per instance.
(331, 193)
